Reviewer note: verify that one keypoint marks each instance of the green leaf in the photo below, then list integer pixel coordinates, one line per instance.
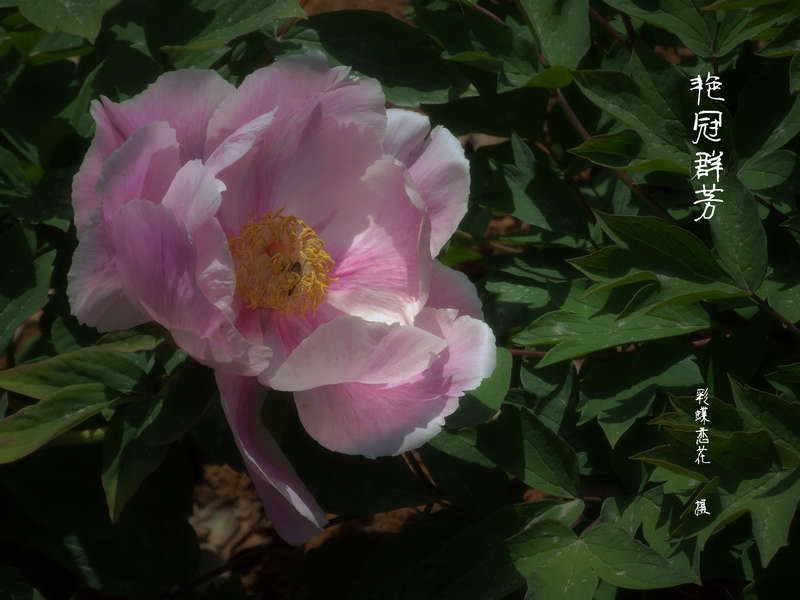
(794, 75)
(769, 170)
(765, 122)
(463, 473)
(78, 18)
(127, 459)
(562, 29)
(42, 380)
(202, 25)
(554, 389)
(24, 281)
(761, 411)
(494, 557)
(522, 445)
(619, 391)
(786, 43)
(684, 18)
(186, 396)
(554, 563)
(539, 196)
(13, 179)
(739, 237)
(771, 499)
(552, 77)
(33, 426)
(613, 150)
(405, 60)
(626, 562)
(651, 249)
(588, 323)
(58, 511)
(479, 405)
(786, 379)
(663, 134)
(739, 26)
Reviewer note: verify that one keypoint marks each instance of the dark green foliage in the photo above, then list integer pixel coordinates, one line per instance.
(611, 304)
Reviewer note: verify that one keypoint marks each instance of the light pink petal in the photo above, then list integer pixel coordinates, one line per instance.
(470, 356)
(405, 134)
(297, 84)
(372, 420)
(288, 503)
(309, 165)
(376, 420)
(240, 142)
(438, 167)
(157, 266)
(441, 174)
(453, 289)
(282, 333)
(141, 168)
(383, 265)
(349, 349)
(215, 273)
(194, 195)
(93, 284)
(185, 99)
(106, 139)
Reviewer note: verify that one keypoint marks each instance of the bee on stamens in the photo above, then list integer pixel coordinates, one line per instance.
(295, 268)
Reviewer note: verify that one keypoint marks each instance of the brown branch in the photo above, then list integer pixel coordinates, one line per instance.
(488, 13)
(629, 27)
(764, 305)
(769, 206)
(609, 27)
(520, 352)
(624, 177)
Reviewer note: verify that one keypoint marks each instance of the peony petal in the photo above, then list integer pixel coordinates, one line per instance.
(372, 420)
(295, 84)
(349, 349)
(441, 174)
(93, 284)
(288, 503)
(157, 266)
(309, 165)
(185, 99)
(215, 273)
(384, 267)
(141, 168)
(470, 355)
(438, 167)
(194, 194)
(405, 134)
(453, 289)
(240, 142)
(376, 420)
(106, 139)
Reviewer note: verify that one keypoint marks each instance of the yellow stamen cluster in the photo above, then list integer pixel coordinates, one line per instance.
(280, 264)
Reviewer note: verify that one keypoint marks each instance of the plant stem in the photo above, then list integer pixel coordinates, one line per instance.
(624, 177)
(764, 305)
(488, 13)
(609, 27)
(520, 352)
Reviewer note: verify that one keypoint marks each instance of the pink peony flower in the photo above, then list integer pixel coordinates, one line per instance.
(284, 232)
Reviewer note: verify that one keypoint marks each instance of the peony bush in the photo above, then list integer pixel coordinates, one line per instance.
(515, 362)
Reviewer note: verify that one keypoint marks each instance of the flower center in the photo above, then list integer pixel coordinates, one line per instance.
(280, 264)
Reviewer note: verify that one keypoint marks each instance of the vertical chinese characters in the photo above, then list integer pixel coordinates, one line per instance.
(701, 417)
(707, 125)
